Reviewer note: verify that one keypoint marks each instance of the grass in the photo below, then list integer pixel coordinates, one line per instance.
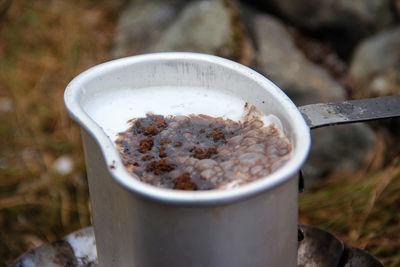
(43, 45)
(361, 209)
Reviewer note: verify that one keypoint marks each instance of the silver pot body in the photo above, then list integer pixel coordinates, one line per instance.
(143, 226)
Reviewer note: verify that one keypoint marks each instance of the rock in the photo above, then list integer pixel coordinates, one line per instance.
(203, 26)
(338, 148)
(316, 14)
(141, 24)
(375, 67)
(282, 62)
(117, 5)
(343, 21)
(335, 148)
(397, 7)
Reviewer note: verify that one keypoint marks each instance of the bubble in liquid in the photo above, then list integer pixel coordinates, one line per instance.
(207, 174)
(256, 169)
(206, 164)
(243, 154)
(250, 157)
(256, 148)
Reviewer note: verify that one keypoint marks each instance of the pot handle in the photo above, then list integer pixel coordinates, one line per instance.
(326, 114)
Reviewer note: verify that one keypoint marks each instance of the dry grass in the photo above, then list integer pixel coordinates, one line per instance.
(360, 208)
(43, 45)
(362, 212)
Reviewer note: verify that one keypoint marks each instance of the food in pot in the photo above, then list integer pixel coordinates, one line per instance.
(199, 152)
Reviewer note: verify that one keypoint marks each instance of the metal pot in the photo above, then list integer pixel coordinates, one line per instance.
(139, 225)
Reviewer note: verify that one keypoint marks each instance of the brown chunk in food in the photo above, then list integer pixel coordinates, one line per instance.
(159, 122)
(177, 143)
(217, 134)
(150, 130)
(145, 145)
(159, 167)
(164, 141)
(147, 157)
(204, 154)
(200, 152)
(162, 152)
(183, 182)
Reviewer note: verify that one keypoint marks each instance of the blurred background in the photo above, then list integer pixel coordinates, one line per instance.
(315, 50)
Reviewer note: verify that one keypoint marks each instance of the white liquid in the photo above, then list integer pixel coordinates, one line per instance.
(111, 110)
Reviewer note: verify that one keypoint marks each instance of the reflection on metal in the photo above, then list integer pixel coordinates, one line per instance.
(301, 181)
(325, 114)
(353, 256)
(300, 234)
(75, 250)
(319, 248)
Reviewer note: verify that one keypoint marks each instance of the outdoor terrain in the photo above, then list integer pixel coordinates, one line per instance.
(43, 187)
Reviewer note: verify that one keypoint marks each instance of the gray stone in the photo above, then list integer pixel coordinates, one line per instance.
(203, 26)
(375, 67)
(335, 148)
(338, 148)
(282, 62)
(397, 7)
(321, 13)
(141, 24)
(345, 21)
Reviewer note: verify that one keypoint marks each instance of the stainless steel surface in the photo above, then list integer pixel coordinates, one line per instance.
(78, 249)
(319, 248)
(324, 114)
(353, 257)
(140, 225)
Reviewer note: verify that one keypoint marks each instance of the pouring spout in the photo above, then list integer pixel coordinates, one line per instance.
(326, 114)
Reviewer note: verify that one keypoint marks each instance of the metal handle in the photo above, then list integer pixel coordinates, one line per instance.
(326, 114)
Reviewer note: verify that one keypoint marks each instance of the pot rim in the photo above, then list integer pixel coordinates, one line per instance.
(114, 163)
